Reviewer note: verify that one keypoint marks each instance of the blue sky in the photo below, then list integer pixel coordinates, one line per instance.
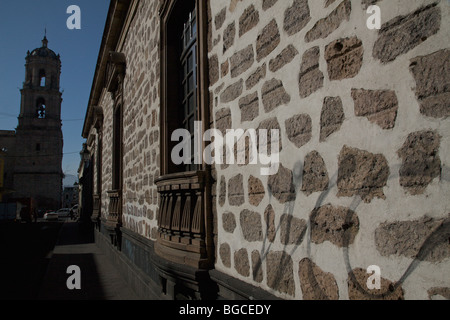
(22, 24)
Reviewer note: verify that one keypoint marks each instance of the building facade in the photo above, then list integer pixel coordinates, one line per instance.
(70, 196)
(34, 151)
(351, 201)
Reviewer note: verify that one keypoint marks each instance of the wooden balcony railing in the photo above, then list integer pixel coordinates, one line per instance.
(115, 207)
(182, 217)
(114, 217)
(96, 207)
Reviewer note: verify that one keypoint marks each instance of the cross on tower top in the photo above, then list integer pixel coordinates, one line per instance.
(45, 41)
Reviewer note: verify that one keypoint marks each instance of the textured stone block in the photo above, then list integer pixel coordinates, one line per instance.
(244, 146)
(274, 95)
(248, 20)
(420, 161)
(256, 191)
(228, 222)
(249, 106)
(315, 174)
(362, 173)
(280, 272)
(299, 129)
(338, 225)
(432, 75)
(241, 61)
(220, 18)
(328, 3)
(331, 118)
(439, 292)
(228, 36)
(269, 218)
(379, 106)
(251, 226)
(256, 76)
(344, 57)
(225, 68)
(233, 5)
(425, 239)
(324, 27)
(213, 69)
(241, 262)
(357, 287)
(311, 78)
(267, 40)
(222, 191)
(269, 125)
(292, 230)
(315, 283)
(281, 185)
(236, 191)
(232, 92)
(296, 17)
(257, 271)
(403, 33)
(225, 254)
(223, 120)
(284, 58)
(267, 4)
(366, 3)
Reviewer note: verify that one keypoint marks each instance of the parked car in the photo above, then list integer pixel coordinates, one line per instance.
(74, 212)
(40, 213)
(63, 213)
(51, 216)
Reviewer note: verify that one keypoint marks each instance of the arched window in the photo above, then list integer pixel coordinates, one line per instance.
(42, 78)
(40, 108)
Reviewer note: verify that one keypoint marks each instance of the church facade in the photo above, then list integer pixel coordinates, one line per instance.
(356, 121)
(33, 152)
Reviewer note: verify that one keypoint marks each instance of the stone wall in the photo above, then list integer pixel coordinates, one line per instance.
(364, 136)
(363, 115)
(107, 105)
(140, 124)
(141, 121)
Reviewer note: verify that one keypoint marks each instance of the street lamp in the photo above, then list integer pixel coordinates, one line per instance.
(84, 154)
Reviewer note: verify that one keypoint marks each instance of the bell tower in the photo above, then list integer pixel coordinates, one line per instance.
(39, 149)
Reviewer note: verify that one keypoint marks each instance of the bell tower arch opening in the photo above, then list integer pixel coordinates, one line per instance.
(40, 108)
(42, 78)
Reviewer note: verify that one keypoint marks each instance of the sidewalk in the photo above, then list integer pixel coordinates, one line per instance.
(99, 278)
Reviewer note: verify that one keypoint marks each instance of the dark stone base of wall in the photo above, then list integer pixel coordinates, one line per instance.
(153, 278)
(140, 282)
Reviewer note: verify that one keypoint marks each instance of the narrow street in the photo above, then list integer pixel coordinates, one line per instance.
(35, 258)
(24, 256)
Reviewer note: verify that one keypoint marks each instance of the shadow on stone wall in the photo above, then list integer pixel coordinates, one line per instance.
(316, 284)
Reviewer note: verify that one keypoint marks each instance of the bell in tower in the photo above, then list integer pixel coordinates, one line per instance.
(39, 140)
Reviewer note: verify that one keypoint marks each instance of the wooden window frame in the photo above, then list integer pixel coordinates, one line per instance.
(189, 49)
(174, 185)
